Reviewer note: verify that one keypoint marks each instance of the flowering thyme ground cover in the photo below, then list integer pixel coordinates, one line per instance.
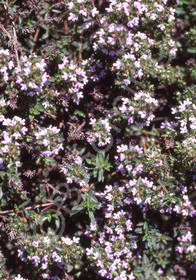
(97, 139)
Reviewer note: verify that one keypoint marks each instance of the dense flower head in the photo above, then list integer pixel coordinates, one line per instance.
(100, 133)
(61, 257)
(134, 50)
(14, 131)
(6, 66)
(31, 77)
(46, 140)
(74, 77)
(137, 110)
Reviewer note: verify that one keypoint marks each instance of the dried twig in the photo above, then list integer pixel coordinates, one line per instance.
(13, 42)
(15, 46)
(27, 208)
(163, 187)
(75, 131)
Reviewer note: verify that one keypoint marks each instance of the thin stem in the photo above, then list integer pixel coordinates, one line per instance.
(13, 41)
(16, 47)
(163, 187)
(27, 208)
(5, 31)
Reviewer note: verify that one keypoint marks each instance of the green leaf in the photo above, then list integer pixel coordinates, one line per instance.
(2, 174)
(46, 218)
(95, 173)
(69, 268)
(56, 11)
(49, 160)
(79, 113)
(76, 209)
(90, 161)
(180, 11)
(100, 176)
(1, 193)
(57, 223)
(36, 112)
(92, 217)
(31, 117)
(191, 50)
(45, 35)
(24, 204)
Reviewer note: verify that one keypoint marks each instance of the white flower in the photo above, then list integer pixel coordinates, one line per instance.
(46, 104)
(46, 240)
(117, 64)
(66, 240)
(94, 12)
(70, 5)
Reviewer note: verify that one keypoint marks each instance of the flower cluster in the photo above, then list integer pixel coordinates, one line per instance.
(137, 110)
(185, 245)
(183, 128)
(100, 133)
(124, 153)
(12, 134)
(6, 65)
(45, 253)
(49, 141)
(113, 250)
(115, 242)
(74, 171)
(125, 159)
(31, 78)
(80, 10)
(135, 52)
(74, 78)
